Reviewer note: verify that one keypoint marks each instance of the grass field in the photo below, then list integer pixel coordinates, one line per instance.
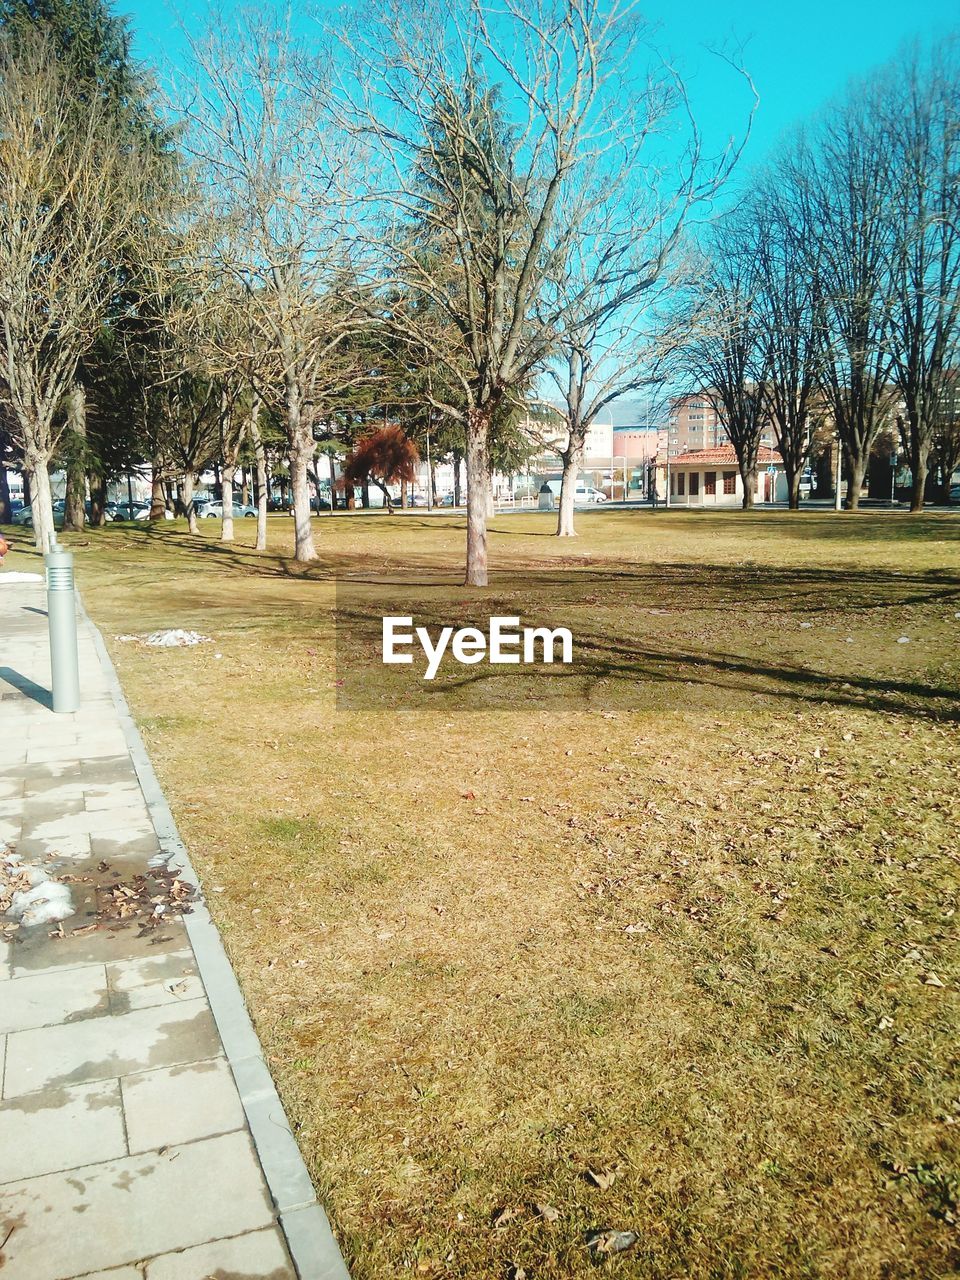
(670, 949)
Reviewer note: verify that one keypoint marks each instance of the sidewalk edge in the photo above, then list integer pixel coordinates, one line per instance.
(303, 1220)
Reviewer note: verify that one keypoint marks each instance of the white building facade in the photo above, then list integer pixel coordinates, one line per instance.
(711, 478)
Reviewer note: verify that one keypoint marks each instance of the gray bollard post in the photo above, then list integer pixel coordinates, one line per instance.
(62, 622)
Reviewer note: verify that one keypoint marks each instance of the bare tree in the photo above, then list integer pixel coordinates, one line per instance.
(842, 179)
(273, 169)
(785, 248)
(920, 112)
(727, 354)
(605, 292)
(72, 192)
(494, 124)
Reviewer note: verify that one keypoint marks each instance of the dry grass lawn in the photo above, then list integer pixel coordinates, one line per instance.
(689, 926)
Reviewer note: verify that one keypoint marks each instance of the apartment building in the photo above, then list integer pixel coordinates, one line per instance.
(694, 424)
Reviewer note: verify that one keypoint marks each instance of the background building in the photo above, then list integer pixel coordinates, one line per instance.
(693, 423)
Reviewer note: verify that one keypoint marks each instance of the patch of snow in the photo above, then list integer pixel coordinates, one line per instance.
(904, 640)
(175, 639)
(13, 575)
(45, 902)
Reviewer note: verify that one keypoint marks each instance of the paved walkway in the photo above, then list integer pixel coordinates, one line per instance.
(140, 1134)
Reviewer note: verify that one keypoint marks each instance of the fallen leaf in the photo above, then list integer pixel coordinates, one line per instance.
(503, 1215)
(606, 1241)
(602, 1178)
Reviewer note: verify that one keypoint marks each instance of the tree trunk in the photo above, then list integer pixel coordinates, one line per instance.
(403, 495)
(226, 499)
(856, 465)
(457, 460)
(41, 506)
(919, 466)
(6, 514)
(300, 439)
(98, 499)
(244, 487)
(333, 482)
(432, 479)
(262, 487)
(187, 485)
(158, 505)
(572, 457)
(793, 486)
(491, 505)
(27, 492)
(73, 510)
(748, 478)
(477, 492)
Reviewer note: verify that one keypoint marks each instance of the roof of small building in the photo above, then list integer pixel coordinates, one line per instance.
(723, 456)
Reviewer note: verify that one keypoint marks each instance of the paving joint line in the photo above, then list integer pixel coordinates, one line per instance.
(309, 1238)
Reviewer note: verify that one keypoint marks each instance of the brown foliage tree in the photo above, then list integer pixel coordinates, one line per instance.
(385, 456)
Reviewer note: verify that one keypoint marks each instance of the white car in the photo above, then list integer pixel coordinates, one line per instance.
(587, 494)
(214, 511)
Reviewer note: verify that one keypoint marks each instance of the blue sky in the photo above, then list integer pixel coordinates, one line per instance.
(799, 54)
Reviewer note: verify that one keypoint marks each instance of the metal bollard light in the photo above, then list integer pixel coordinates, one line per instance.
(62, 621)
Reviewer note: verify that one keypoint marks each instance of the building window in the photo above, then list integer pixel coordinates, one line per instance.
(680, 481)
(710, 483)
(673, 482)
(729, 482)
(694, 483)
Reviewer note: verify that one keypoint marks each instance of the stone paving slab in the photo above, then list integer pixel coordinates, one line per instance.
(120, 1211)
(174, 1104)
(262, 1251)
(108, 1047)
(141, 1137)
(61, 1128)
(49, 998)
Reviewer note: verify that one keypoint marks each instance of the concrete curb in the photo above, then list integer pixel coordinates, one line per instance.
(310, 1240)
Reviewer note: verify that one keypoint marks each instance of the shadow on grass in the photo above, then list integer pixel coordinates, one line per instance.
(623, 646)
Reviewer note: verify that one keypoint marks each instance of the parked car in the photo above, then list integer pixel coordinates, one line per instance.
(23, 516)
(954, 494)
(214, 511)
(141, 511)
(446, 500)
(123, 510)
(587, 494)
